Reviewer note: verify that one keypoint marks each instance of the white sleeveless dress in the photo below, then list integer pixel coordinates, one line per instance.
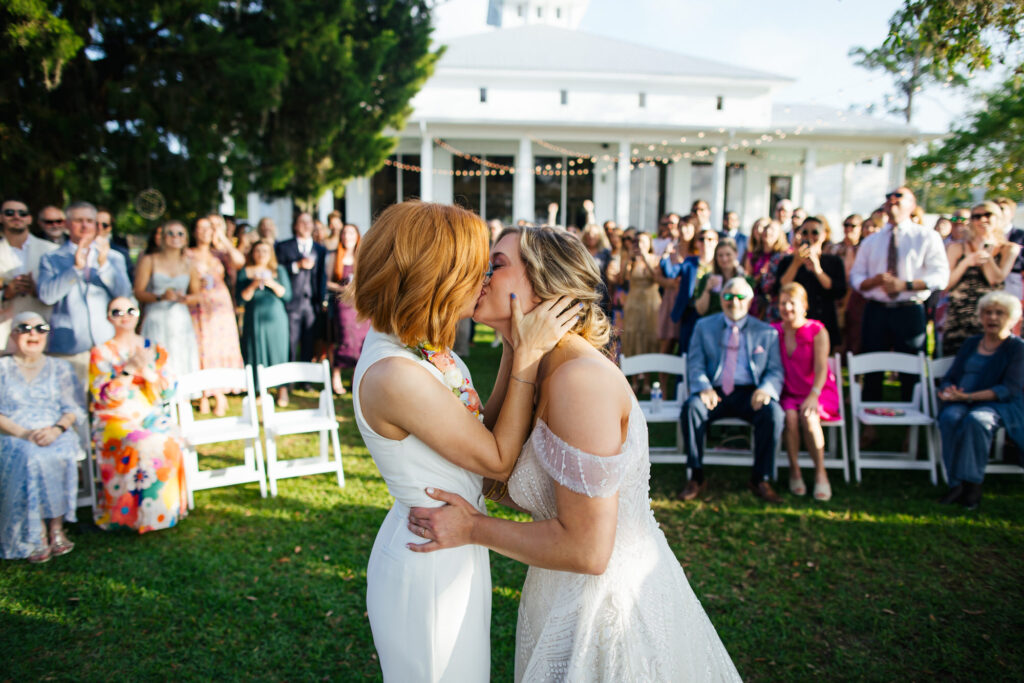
(169, 323)
(639, 620)
(430, 613)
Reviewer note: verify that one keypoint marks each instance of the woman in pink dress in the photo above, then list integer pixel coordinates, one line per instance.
(809, 394)
(213, 316)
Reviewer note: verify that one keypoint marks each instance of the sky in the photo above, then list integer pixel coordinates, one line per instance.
(807, 40)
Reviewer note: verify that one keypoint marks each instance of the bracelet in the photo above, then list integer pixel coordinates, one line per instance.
(524, 381)
(61, 427)
(498, 490)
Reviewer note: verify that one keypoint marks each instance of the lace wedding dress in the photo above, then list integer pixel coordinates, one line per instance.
(639, 620)
(429, 613)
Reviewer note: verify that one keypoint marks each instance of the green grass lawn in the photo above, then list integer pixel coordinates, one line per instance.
(880, 583)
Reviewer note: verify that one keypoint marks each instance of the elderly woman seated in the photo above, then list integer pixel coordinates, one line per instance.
(981, 393)
(39, 404)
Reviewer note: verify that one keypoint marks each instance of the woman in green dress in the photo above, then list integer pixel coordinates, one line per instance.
(264, 287)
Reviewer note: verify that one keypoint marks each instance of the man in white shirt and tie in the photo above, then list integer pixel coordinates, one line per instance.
(304, 260)
(896, 269)
(20, 252)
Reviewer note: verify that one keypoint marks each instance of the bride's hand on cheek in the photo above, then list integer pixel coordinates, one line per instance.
(537, 332)
(449, 526)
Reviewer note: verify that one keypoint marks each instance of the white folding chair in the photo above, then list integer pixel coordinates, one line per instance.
(916, 414)
(243, 428)
(315, 420)
(86, 478)
(836, 453)
(669, 410)
(937, 369)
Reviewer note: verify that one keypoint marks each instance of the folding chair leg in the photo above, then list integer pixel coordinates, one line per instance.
(930, 445)
(258, 451)
(191, 470)
(844, 448)
(336, 444)
(323, 445)
(855, 445)
(271, 447)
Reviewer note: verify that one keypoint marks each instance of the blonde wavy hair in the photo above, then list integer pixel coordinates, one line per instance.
(417, 267)
(557, 264)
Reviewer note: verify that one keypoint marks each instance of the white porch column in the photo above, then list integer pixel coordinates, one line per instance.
(357, 203)
(845, 204)
(622, 185)
(718, 188)
(898, 170)
(427, 164)
(325, 205)
(678, 187)
(807, 176)
(523, 188)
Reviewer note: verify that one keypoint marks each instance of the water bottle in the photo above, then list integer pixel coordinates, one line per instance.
(656, 397)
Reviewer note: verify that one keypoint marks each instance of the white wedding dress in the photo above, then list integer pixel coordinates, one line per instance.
(430, 613)
(639, 620)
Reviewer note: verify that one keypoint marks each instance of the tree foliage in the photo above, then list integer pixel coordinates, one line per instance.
(944, 41)
(987, 150)
(103, 98)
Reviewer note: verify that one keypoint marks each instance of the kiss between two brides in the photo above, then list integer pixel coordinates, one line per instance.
(561, 437)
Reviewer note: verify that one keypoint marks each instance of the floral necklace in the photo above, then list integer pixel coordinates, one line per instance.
(453, 379)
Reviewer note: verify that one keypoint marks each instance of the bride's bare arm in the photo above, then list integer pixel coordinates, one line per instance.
(398, 397)
(588, 415)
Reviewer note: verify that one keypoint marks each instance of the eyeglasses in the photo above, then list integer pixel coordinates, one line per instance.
(52, 221)
(958, 219)
(15, 212)
(170, 233)
(810, 233)
(894, 195)
(851, 225)
(729, 296)
(104, 225)
(25, 328)
(979, 216)
(131, 312)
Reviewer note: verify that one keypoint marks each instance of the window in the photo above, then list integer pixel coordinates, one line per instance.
(391, 185)
(483, 94)
(565, 97)
(558, 13)
(643, 100)
(520, 11)
(484, 189)
(555, 185)
(719, 102)
(540, 12)
(779, 187)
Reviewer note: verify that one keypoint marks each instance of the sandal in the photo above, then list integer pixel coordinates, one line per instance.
(61, 544)
(823, 492)
(797, 487)
(40, 555)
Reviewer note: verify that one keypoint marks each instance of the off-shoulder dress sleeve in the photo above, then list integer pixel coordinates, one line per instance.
(593, 476)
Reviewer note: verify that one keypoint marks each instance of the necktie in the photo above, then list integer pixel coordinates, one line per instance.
(893, 258)
(732, 348)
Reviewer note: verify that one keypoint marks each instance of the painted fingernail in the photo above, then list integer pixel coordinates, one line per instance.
(513, 296)
(581, 305)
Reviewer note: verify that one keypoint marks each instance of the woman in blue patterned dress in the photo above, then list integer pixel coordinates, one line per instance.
(40, 401)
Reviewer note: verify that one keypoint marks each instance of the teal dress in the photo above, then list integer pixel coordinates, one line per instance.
(265, 325)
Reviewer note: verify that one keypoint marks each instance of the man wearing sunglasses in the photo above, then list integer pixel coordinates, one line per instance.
(51, 225)
(79, 280)
(896, 269)
(20, 253)
(735, 370)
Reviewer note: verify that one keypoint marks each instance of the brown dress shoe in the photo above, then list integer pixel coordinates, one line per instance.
(692, 490)
(764, 491)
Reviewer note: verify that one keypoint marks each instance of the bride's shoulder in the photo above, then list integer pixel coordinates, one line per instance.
(588, 402)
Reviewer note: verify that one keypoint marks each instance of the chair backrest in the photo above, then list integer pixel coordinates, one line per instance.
(836, 364)
(884, 361)
(214, 378)
(657, 362)
(287, 373)
(937, 369)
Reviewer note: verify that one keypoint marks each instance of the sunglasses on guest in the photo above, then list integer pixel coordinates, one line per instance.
(10, 213)
(52, 221)
(979, 216)
(894, 195)
(730, 296)
(25, 328)
(810, 233)
(851, 224)
(130, 312)
(958, 219)
(104, 225)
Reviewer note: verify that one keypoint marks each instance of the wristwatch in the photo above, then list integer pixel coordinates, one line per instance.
(910, 285)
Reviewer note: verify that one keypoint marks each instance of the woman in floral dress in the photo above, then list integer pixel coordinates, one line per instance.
(213, 315)
(134, 439)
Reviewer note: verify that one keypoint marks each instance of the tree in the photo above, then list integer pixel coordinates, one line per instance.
(944, 41)
(987, 150)
(103, 98)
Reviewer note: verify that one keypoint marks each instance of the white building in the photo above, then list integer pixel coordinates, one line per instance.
(537, 112)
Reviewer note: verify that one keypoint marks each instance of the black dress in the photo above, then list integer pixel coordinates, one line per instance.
(821, 302)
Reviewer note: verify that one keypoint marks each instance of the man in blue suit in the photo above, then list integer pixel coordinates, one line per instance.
(731, 229)
(79, 279)
(304, 260)
(734, 370)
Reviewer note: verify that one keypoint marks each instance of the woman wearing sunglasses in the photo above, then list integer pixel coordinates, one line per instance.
(134, 440)
(167, 283)
(39, 405)
(977, 266)
(823, 276)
